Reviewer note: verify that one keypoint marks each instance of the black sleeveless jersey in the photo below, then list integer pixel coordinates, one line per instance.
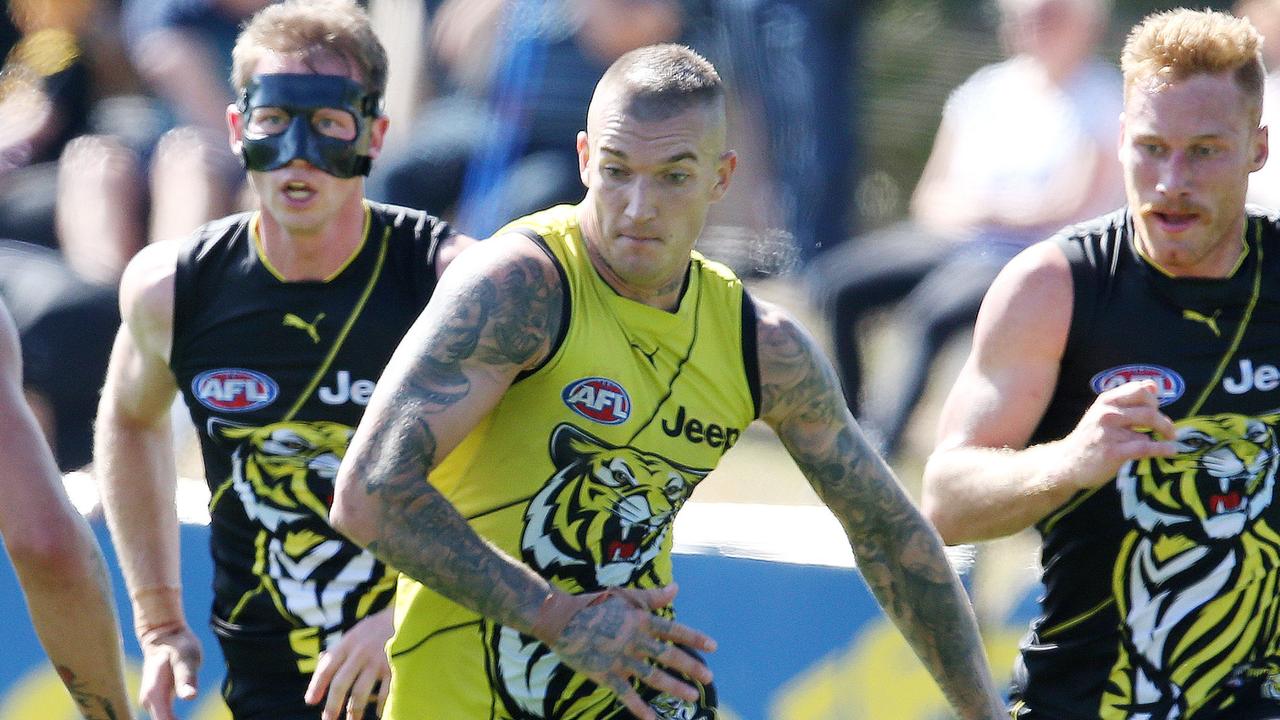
(1162, 588)
(276, 375)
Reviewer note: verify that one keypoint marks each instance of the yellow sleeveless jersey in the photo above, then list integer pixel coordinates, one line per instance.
(579, 471)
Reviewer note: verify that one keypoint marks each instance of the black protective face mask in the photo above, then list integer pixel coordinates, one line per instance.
(299, 96)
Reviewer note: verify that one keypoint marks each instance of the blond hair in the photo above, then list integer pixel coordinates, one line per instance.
(312, 29)
(1173, 45)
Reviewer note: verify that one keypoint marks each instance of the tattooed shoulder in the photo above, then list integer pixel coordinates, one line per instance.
(796, 379)
(506, 308)
(803, 403)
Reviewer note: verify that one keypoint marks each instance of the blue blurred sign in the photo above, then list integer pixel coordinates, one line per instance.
(796, 641)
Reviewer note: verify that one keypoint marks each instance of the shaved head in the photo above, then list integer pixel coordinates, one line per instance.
(655, 83)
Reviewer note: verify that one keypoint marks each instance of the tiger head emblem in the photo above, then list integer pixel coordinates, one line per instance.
(1183, 580)
(1220, 481)
(604, 516)
(288, 467)
(283, 476)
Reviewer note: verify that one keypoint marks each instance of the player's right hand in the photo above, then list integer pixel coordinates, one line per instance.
(171, 659)
(1122, 424)
(615, 638)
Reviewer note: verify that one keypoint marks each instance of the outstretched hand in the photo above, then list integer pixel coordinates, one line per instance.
(613, 637)
(348, 672)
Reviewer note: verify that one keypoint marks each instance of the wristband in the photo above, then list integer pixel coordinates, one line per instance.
(157, 610)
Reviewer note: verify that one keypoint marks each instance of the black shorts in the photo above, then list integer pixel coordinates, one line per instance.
(252, 694)
(1255, 711)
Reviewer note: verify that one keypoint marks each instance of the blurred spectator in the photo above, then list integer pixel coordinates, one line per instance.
(514, 80)
(182, 49)
(1264, 185)
(66, 326)
(1025, 146)
(113, 195)
(51, 94)
(45, 97)
(793, 61)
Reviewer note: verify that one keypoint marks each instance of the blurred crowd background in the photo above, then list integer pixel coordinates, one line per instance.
(894, 153)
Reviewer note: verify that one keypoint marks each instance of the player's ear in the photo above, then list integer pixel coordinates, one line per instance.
(1261, 148)
(235, 127)
(725, 166)
(378, 134)
(584, 158)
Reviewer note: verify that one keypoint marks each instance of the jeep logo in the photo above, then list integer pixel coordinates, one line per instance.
(696, 431)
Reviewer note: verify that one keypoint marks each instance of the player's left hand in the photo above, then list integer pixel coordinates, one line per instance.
(613, 637)
(348, 671)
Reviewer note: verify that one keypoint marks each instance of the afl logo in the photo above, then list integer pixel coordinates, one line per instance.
(599, 399)
(234, 389)
(1169, 384)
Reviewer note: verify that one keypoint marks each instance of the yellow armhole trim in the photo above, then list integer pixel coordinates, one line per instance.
(1072, 504)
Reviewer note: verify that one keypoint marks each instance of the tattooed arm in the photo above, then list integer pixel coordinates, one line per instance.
(899, 553)
(495, 313)
(58, 564)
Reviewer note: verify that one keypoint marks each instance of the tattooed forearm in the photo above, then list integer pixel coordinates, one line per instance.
(457, 563)
(902, 561)
(423, 536)
(899, 554)
(93, 706)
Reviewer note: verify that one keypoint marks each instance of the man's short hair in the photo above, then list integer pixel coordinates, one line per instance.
(661, 81)
(311, 30)
(1175, 44)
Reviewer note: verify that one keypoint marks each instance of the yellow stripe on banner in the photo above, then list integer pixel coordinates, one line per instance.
(40, 695)
(891, 682)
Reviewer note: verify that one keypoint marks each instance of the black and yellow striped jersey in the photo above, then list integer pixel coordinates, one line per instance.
(276, 376)
(579, 471)
(1161, 594)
